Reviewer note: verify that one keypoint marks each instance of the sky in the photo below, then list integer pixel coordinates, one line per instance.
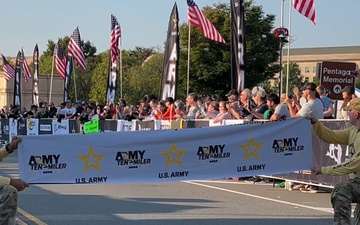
(144, 23)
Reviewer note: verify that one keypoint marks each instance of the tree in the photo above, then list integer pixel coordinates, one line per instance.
(99, 79)
(141, 75)
(210, 64)
(143, 80)
(295, 77)
(82, 78)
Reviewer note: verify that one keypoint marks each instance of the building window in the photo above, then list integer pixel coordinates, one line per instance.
(307, 69)
(306, 79)
(314, 69)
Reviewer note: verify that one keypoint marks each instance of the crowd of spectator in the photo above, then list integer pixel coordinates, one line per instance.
(246, 104)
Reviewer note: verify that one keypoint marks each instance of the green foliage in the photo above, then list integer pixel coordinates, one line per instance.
(316, 81)
(99, 79)
(82, 78)
(295, 77)
(143, 80)
(210, 64)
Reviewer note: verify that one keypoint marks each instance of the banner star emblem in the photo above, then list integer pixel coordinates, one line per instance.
(173, 155)
(251, 149)
(91, 155)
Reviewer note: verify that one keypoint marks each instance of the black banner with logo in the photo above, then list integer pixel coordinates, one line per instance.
(169, 75)
(5, 128)
(69, 69)
(17, 81)
(108, 126)
(238, 43)
(35, 91)
(195, 123)
(144, 125)
(45, 126)
(21, 129)
(74, 126)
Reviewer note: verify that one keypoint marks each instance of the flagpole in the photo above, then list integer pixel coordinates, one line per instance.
(288, 51)
(74, 81)
(120, 70)
(52, 74)
(281, 48)
(188, 65)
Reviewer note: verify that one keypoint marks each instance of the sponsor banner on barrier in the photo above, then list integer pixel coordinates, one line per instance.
(61, 127)
(46, 126)
(32, 126)
(75, 127)
(5, 129)
(13, 128)
(195, 123)
(124, 125)
(187, 154)
(22, 127)
(108, 126)
(144, 125)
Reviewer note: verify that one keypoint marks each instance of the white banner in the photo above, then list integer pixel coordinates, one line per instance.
(168, 155)
(61, 127)
(13, 125)
(124, 125)
(32, 126)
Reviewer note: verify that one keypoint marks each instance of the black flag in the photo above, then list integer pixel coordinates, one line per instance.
(238, 44)
(69, 69)
(171, 58)
(115, 34)
(35, 91)
(17, 82)
(111, 84)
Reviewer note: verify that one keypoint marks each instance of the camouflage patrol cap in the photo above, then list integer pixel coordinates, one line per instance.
(353, 104)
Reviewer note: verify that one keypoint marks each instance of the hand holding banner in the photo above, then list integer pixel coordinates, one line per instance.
(167, 155)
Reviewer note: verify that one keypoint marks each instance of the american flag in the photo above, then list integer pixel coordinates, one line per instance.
(25, 66)
(306, 8)
(114, 39)
(60, 60)
(75, 49)
(198, 19)
(9, 71)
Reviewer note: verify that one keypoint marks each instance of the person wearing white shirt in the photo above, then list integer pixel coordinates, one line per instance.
(69, 111)
(313, 104)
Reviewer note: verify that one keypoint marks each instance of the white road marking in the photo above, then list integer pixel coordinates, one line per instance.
(326, 210)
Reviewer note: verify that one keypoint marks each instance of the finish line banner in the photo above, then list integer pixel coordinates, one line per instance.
(167, 155)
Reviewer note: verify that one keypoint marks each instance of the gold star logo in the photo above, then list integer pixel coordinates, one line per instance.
(173, 151)
(175, 20)
(96, 158)
(251, 149)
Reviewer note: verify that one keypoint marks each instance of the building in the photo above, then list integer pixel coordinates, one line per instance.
(7, 89)
(307, 58)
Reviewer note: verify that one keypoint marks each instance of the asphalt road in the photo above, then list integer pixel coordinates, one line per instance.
(224, 202)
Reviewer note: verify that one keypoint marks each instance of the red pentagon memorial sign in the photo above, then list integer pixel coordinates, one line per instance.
(334, 76)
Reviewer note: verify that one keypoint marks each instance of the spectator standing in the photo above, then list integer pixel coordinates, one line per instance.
(348, 93)
(313, 104)
(328, 106)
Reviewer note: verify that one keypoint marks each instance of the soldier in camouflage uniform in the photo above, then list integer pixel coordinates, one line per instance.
(9, 188)
(348, 192)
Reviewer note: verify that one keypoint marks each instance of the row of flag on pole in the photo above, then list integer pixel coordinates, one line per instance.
(75, 52)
